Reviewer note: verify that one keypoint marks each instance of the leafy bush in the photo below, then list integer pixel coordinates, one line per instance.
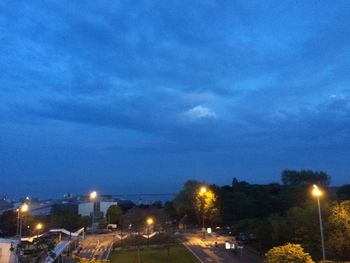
(289, 253)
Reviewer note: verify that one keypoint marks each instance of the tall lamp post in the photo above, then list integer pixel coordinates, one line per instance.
(149, 222)
(121, 230)
(17, 229)
(93, 196)
(316, 192)
(20, 211)
(202, 193)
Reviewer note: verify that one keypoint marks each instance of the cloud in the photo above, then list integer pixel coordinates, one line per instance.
(200, 112)
(224, 77)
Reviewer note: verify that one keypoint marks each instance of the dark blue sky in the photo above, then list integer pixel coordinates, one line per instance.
(139, 96)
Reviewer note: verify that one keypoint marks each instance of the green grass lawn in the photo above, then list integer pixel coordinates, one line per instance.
(178, 253)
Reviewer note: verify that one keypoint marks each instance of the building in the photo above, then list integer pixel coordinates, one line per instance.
(87, 208)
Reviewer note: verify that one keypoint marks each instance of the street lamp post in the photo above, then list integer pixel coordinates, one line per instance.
(93, 196)
(23, 209)
(121, 230)
(202, 193)
(317, 193)
(17, 230)
(149, 222)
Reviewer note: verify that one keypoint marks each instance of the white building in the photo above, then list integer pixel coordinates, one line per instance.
(85, 209)
(6, 255)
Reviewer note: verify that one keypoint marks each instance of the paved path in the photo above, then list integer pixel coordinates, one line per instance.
(96, 246)
(207, 252)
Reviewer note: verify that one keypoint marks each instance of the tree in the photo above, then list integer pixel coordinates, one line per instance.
(136, 217)
(343, 192)
(338, 240)
(170, 209)
(303, 226)
(297, 225)
(205, 205)
(157, 204)
(243, 200)
(297, 184)
(189, 203)
(184, 202)
(102, 224)
(227, 205)
(114, 214)
(67, 217)
(8, 221)
(288, 253)
(239, 186)
(28, 225)
(305, 177)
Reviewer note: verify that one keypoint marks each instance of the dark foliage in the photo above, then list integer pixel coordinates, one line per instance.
(293, 178)
(343, 192)
(8, 223)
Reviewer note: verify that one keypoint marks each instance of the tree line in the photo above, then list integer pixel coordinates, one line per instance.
(276, 213)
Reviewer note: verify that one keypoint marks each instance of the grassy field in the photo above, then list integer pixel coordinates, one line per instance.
(178, 253)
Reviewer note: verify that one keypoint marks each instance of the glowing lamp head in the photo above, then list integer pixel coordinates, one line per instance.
(149, 221)
(93, 195)
(24, 208)
(39, 226)
(203, 190)
(316, 191)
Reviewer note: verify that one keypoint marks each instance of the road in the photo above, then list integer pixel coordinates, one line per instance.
(207, 252)
(96, 246)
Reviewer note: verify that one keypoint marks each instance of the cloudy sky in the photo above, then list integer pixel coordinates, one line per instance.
(139, 96)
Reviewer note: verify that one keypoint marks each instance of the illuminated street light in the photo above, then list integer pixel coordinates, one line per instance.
(316, 192)
(93, 197)
(24, 208)
(38, 227)
(20, 212)
(203, 190)
(149, 222)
